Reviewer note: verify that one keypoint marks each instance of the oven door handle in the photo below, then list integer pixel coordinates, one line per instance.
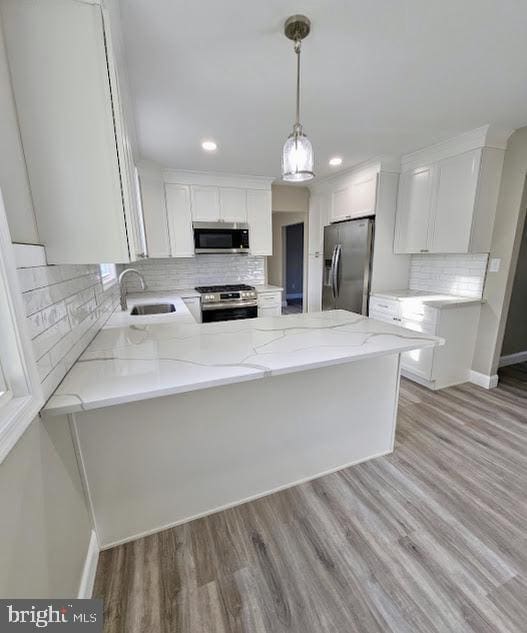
(228, 304)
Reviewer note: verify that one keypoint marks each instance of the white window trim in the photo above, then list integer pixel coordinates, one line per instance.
(109, 279)
(17, 359)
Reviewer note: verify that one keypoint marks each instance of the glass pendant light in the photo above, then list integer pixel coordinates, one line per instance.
(297, 155)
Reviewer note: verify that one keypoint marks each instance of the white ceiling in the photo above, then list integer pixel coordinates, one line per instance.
(379, 77)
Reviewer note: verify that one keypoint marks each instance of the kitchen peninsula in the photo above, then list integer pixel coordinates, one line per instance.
(175, 419)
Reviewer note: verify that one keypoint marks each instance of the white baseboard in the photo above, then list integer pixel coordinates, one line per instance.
(90, 567)
(482, 380)
(512, 359)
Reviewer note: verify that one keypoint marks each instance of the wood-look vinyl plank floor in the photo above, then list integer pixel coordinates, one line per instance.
(431, 539)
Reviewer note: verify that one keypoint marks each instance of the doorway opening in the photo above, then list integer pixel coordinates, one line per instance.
(293, 261)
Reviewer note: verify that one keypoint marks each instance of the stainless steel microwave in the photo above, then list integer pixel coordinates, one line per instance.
(221, 237)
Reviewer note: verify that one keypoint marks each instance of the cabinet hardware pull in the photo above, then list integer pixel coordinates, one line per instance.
(424, 250)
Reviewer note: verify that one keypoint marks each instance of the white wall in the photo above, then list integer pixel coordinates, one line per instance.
(13, 175)
(44, 525)
(515, 337)
(290, 205)
(506, 239)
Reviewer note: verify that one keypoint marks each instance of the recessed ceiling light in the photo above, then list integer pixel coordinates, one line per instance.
(209, 146)
(335, 161)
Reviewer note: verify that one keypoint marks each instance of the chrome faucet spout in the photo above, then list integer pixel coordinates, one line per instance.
(122, 285)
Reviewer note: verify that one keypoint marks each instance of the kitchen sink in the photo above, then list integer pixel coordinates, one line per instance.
(153, 308)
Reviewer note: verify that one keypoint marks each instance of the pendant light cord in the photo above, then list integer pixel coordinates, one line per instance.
(297, 51)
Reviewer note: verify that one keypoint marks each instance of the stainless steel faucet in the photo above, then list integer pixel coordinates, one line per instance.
(122, 285)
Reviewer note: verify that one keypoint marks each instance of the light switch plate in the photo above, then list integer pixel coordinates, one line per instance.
(494, 264)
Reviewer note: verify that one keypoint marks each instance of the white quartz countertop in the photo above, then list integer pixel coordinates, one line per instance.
(142, 361)
(434, 300)
(121, 318)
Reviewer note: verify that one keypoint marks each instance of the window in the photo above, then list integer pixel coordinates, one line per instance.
(108, 275)
(20, 390)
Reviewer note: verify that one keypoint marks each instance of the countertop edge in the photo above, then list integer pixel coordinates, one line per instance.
(50, 411)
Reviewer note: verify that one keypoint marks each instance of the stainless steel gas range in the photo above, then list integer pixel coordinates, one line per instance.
(227, 303)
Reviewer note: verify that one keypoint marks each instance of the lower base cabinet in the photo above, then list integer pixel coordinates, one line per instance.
(442, 366)
(270, 303)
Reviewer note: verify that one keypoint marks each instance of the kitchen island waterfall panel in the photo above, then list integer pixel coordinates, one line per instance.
(151, 464)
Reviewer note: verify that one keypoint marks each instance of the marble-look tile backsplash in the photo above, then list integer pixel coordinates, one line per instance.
(462, 275)
(188, 272)
(65, 306)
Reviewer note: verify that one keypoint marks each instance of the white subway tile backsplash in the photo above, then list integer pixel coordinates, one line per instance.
(462, 275)
(66, 307)
(170, 274)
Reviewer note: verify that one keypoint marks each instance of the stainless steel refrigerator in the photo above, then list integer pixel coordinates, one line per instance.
(347, 265)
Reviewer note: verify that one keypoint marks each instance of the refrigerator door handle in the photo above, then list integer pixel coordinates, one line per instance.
(332, 273)
(336, 271)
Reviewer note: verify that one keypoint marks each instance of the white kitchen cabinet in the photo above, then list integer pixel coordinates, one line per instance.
(233, 204)
(341, 204)
(436, 367)
(448, 205)
(152, 192)
(259, 217)
(454, 203)
(194, 306)
(179, 220)
(355, 197)
(363, 195)
(269, 303)
(73, 128)
(205, 203)
(414, 206)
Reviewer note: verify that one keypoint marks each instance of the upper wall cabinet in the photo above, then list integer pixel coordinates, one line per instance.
(201, 197)
(153, 204)
(259, 217)
(354, 197)
(448, 205)
(218, 204)
(74, 130)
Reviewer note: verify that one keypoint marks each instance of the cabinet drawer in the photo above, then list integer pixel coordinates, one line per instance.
(417, 312)
(270, 299)
(426, 327)
(388, 307)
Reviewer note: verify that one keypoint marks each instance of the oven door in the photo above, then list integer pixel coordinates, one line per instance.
(221, 237)
(229, 314)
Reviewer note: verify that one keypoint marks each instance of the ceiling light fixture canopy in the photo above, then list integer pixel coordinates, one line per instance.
(297, 155)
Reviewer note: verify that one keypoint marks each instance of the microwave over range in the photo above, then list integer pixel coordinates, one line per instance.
(221, 237)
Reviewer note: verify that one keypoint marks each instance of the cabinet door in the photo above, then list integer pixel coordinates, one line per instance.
(454, 202)
(267, 312)
(66, 114)
(341, 205)
(179, 220)
(259, 218)
(205, 204)
(413, 210)
(363, 197)
(233, 204)
(152, 192)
